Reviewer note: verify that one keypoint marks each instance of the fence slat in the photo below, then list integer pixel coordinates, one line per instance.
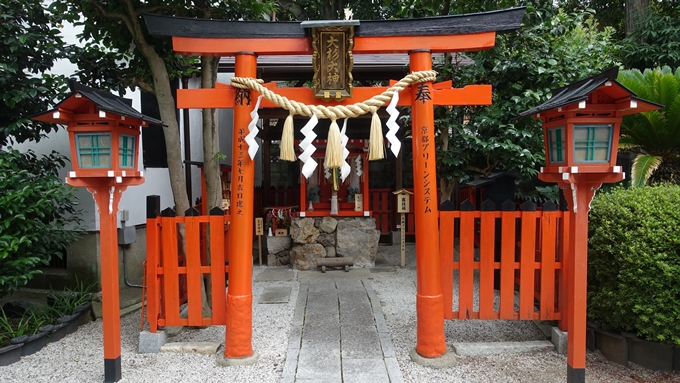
(526, 265)
(466, 272)
(446, 243)
(219, 298)
(169, 256)
(194, 276)
(507, 289)
(486, 269)
(564, 275)
(548, 236)
(152, 279)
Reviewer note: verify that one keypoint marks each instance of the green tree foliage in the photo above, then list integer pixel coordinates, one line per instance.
(634, 262)
(550, 50)
(31, 43)
(119, 53)
(654, 136)
(38, 216)
(37, 211)
(655, 43)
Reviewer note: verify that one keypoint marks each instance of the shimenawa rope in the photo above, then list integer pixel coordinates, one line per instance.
(334, 150)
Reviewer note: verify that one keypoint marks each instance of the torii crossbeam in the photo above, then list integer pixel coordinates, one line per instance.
(417, 37)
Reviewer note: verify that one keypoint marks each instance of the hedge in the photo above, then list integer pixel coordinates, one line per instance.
(634, 262)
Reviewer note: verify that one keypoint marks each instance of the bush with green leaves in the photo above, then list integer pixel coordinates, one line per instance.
(634, 262)
(38, 216)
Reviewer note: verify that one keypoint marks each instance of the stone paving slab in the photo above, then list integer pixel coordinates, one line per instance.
(275, 294)
(335, 337)
(275, 274)
(393, 370)
(204, 348)
(360, 342)
(311, 275)
(364, 370)
(488, 348)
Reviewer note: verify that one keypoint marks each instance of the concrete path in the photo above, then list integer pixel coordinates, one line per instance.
(339, 335)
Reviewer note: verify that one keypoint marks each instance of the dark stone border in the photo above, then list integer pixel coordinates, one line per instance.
(47, 334)
(624, 348)
(10, 354)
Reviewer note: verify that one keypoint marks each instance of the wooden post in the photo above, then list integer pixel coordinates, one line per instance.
(259, 231)
(579, 195)
(430, 341)
(106, 195)
(402, 228)
(239, 328)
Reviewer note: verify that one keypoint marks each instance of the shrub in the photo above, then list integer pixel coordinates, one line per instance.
(634, 266)
(37, 215)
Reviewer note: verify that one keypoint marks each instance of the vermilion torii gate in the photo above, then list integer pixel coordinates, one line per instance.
(420, 38)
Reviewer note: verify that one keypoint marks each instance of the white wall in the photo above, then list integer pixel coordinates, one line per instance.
(225, 122)
(157, 181)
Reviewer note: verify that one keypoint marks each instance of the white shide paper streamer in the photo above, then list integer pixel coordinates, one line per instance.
(253, 130)
(345, 169)
(357, 162)
(308, 148)
(392, 125)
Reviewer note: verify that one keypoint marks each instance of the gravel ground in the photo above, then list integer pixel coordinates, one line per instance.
(79, 356)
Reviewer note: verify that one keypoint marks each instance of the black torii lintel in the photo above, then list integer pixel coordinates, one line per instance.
(502, 20)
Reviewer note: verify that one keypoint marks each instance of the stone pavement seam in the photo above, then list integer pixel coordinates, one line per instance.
(295, 336)
(389, 355)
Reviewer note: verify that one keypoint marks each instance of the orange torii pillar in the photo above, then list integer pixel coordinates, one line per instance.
(239, 328)
(430, 340)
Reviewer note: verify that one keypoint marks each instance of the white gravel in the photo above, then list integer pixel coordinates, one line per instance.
(79, 356)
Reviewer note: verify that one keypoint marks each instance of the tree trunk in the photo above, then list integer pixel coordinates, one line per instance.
(635, 10)
(211, 165)
(211, 142)
(167, 109)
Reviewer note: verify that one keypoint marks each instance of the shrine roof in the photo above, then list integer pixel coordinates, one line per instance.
(580, 90)
(371, 67)
(501, 20)
(104, 101)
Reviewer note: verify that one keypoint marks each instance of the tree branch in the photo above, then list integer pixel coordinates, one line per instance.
(144, 10)
(291, 7)
(111, 15)
(141, 84)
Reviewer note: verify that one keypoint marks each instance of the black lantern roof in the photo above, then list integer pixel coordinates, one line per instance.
(580, 90)
(104, 101)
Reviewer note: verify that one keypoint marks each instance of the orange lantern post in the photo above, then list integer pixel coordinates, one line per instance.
(581, 124)
(104, 138)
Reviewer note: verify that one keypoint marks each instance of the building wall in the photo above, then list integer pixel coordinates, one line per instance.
(83, 256)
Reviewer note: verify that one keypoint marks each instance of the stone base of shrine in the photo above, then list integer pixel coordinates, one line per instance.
(323, 237)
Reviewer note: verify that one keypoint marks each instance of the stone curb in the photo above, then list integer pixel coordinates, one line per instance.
(490, 348)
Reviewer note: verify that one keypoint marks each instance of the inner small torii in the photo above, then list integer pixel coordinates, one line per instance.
(332, 44)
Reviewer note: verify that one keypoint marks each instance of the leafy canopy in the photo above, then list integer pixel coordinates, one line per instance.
(31, 43)
(550, 50)
(655, 43)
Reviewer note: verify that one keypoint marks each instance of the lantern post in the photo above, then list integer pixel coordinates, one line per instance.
(581, 125)
(104, 141)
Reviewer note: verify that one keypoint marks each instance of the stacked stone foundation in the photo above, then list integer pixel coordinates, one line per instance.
(323, 237)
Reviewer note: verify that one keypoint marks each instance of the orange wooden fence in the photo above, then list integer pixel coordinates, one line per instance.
(173, 276)
(519, 254)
